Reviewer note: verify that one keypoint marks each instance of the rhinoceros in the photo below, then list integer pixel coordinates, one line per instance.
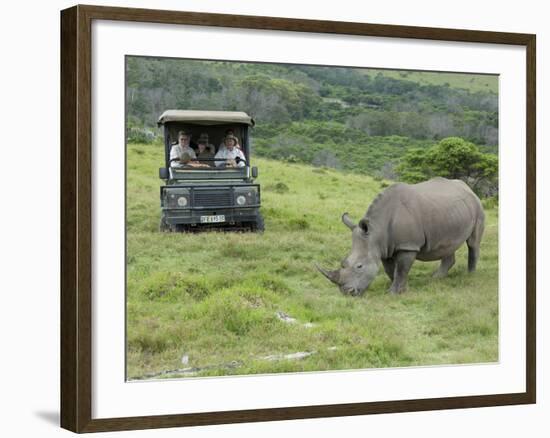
(406, 222)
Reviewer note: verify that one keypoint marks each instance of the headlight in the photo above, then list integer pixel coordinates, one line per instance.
(246, 195)
(177, 198)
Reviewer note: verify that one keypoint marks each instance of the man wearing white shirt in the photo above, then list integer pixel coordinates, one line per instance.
(231, 155)
(182, 152)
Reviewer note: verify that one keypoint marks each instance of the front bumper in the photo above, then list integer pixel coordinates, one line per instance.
(191, 216)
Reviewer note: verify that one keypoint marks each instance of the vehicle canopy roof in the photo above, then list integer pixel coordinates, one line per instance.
(205, 117)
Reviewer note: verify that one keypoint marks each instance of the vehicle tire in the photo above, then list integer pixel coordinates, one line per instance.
(258, 225)
(179, 228)
(163, 226)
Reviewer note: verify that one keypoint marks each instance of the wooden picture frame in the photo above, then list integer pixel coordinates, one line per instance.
(76, 218)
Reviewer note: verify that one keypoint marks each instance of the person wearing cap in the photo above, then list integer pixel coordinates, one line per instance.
(205, 149)
(204, 138)
(181, 153)
(232, 156)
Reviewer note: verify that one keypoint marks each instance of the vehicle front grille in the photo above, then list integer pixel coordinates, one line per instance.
(212, 198)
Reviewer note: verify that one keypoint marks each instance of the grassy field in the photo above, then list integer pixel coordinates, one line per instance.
(465, 81)
(222, 302)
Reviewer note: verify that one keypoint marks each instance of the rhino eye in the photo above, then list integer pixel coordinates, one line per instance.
(359, 266)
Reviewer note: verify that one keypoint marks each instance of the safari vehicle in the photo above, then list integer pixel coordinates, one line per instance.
(200, 195)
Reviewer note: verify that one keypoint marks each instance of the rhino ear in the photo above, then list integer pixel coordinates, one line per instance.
(348, 222)
(364, 225)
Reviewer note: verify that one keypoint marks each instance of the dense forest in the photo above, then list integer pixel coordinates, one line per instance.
(354, 119)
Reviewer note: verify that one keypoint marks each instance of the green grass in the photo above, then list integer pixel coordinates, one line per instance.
(214, 296)
(467, 81)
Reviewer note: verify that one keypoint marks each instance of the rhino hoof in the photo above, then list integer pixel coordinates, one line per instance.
(397, 290)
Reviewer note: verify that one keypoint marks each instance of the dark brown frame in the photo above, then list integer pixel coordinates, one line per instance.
(76, 218)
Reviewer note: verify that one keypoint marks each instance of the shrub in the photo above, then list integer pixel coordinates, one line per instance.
(452, 158)
(490, 202)
(140, 135)
(298, 224)
(279, 187)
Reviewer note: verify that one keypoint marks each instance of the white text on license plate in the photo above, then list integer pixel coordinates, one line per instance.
(212, 219)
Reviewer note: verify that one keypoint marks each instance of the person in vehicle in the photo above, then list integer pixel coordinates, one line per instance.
(205, 139)
(205, 150)
(182, 152)
(230, 131)
(231, 155)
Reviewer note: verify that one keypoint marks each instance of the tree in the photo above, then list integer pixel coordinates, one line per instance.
(452, 158)
(455, 158)
(414, 166)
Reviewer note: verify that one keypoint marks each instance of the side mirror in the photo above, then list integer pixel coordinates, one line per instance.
(163, 173)
(254, 172)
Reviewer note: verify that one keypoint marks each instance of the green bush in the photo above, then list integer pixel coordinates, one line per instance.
(453, 158)
(279, 187)
(140, 135)
(490, 203)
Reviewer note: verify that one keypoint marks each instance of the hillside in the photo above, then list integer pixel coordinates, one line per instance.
(333, 145)
(320, 115)
(465, 81)
(241, 303)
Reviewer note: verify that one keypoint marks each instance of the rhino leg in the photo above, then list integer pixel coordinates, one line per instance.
(446, 264)
(473, 243)
(473, 255)
(389, 267)
(403, 262)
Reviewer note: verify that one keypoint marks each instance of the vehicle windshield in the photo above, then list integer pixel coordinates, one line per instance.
(206, 148)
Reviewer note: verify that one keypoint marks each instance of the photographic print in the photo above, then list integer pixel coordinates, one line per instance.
(285, 218)
(313, 227)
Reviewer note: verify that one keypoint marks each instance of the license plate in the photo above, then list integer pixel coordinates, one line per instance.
(212, 219)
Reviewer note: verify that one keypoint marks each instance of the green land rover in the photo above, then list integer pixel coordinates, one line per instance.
(208, 190)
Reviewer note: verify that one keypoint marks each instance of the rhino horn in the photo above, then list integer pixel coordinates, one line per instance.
(333, 276)
(348, 222)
